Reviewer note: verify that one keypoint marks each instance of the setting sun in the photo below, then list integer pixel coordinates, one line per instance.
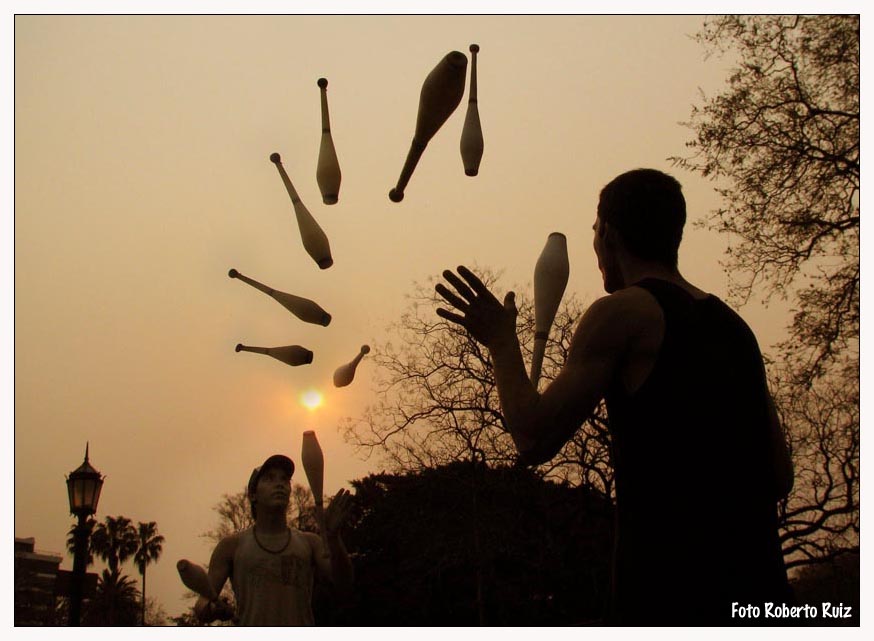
(311, 399)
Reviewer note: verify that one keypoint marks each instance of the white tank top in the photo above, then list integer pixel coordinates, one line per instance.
(273, 589)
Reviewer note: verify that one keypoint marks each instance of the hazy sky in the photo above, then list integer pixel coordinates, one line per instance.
(142, 176)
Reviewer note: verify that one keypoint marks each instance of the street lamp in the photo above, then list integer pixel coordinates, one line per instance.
(83, 487)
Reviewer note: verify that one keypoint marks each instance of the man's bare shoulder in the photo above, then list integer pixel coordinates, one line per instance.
(228, 546)
(634, 296)
(618, 322)
(626, 307)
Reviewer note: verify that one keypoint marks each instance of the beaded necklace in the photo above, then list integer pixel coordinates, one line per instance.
(268, 550)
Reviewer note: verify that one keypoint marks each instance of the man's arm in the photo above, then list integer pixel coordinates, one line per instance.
(540, 424)
(336, 564)
(341, 565)
(220, 565)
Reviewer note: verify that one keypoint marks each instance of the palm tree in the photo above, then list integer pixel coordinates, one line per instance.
(114, 541)
(149, 547)
(71, 541)
(114, 602)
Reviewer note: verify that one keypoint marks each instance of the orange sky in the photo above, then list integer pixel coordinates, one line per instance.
(142, 176)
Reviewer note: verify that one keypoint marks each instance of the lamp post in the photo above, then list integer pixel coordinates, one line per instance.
(83, 486)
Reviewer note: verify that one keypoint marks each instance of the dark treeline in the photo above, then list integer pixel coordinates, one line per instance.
(465, 544)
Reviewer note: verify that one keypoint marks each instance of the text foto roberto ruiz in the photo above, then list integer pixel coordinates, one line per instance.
(783, 611)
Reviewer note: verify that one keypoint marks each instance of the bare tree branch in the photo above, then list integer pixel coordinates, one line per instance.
(437, 399)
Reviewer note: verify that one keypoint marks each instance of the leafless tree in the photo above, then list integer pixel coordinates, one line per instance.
(820, 520)
(438, 403)
(782, 142)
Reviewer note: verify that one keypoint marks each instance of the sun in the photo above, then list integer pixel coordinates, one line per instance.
(312, 399)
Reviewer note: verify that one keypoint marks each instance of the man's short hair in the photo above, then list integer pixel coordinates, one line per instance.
(646, 207)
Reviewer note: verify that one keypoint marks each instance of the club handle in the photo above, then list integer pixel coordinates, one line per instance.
(474, 49)
(326, 118)
(251, 281)
(396, 195)
(537, 360)
(289, 187)
(248, 348)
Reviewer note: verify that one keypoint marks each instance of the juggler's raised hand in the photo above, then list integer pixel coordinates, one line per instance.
(337, 511)
(486, 319)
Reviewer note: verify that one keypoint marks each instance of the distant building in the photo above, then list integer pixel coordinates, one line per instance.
(35, 584)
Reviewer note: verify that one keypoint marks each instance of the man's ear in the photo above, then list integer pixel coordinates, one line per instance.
(607, 234)
(611, 238)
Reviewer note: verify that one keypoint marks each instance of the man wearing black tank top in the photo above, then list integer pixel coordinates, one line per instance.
(699, 456)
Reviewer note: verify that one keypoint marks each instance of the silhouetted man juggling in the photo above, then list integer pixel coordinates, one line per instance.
(699, 456)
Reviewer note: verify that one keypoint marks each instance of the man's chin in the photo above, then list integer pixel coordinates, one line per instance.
(608, 282)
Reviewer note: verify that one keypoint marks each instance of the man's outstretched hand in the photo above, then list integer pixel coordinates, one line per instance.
(209, 611)
(482, 315)
(337, 512)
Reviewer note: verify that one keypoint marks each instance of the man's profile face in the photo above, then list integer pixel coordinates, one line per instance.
(273, 489)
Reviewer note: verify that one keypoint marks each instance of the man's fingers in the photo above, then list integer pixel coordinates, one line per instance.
(340, 499)
(451, 298)
(455, 318)
(459, 285)
(510, 303)
(474, 281)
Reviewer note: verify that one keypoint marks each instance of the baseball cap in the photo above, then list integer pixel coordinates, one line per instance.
(277, 460)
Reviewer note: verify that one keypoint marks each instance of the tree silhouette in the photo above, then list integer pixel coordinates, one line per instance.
(71, 540)
(783, 143)
(467, 544)
(114, 541)
(820, 519)
(438, 403)
(115, 602)
(234, 516)
(149, 548)
(155, 613)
